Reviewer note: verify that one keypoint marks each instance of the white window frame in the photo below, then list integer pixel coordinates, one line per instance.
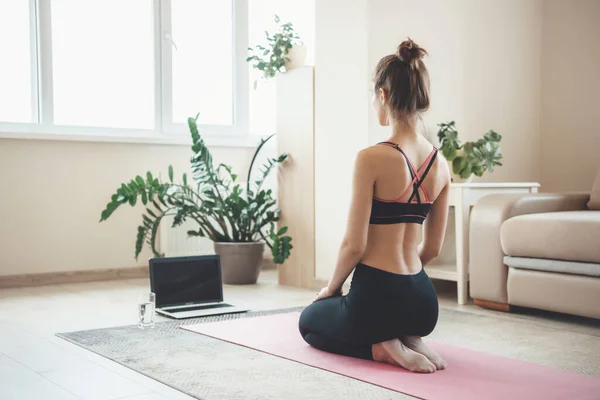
(42, 126)
(35, 81)
(240, 76)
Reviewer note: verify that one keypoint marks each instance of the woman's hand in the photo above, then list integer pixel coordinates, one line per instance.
(327, 292)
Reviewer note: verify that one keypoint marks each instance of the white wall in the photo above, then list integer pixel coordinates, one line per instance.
(341, 119)
(571, 90)
(52, 193)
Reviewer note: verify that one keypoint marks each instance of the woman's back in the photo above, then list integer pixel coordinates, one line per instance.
(393, 247)
(398, 186)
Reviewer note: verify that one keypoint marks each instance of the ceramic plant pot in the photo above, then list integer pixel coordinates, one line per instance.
(459, 179)
(297, 57)
(240, 262)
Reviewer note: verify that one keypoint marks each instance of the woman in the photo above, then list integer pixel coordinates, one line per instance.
(391, 303)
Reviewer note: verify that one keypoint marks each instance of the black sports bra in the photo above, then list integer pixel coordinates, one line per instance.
(384, 212)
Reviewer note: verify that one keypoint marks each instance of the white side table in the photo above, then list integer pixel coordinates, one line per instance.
(462, 197)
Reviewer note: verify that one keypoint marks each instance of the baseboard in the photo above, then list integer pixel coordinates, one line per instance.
(111, 274)
(51, 278)
(492, 305)
(268, 263)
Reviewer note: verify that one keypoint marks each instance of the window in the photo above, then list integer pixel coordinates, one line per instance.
(138, 68)
(202, 56)
(15, 66)
(204, 67)
(103, 63)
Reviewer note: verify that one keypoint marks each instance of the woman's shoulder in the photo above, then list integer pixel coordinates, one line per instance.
(373, 155)
(442, 162)
(379, 160)
(441, 169)
(370, 158)
(376, 151)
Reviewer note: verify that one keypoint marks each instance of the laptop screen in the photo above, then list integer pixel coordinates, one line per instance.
(183, 280)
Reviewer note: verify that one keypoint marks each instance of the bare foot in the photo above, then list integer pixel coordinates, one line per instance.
(415, 343)
(395, 353)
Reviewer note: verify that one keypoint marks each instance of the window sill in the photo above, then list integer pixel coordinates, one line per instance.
(135, 137)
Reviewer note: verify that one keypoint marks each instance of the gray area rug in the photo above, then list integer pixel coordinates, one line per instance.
(210, 369)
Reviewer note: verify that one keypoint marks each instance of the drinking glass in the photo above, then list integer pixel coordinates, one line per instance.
(146, 310)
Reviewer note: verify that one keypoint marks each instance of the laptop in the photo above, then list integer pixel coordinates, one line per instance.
(188, 287)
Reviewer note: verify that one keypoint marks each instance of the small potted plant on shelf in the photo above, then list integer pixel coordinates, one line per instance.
(239, 220)
(470, 158)
(282, 50)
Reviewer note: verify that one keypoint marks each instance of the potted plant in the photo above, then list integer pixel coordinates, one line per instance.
(239, 220)
(470, 158)
(282, 50)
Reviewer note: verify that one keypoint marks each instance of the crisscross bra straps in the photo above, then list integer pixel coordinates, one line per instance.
(413, 210)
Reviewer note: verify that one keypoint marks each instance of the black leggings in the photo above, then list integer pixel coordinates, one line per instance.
(380, 306)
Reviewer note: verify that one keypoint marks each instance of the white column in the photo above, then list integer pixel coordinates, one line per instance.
(341, 118)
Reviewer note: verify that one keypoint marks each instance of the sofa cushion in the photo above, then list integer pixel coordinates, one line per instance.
(562, 267)
(594, 203)
(567, 235)
(571, 294)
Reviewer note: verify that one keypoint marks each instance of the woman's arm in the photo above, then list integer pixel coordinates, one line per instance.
(434, 228)
(355, 239)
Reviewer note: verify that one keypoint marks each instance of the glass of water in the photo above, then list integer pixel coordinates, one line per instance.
(146, 310)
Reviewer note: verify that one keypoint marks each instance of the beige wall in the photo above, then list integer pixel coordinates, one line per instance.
(341, 119)
(485, 70)
(526, 68)
(52, 194)
(485, 63)
(570, 94)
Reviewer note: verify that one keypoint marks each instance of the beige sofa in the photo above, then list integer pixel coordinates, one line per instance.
(540, 251)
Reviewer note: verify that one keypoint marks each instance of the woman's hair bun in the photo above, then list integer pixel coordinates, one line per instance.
(408, 51)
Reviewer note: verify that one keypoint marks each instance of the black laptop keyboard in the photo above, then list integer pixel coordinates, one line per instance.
(206, 307)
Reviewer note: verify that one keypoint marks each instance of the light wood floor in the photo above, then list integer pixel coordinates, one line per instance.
(35, 364)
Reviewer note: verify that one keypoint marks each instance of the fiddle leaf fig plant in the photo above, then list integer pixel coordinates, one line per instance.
(471, 157)
(223, 210)
(271, 57)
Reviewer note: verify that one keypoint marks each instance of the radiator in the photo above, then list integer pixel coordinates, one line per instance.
(175, 242)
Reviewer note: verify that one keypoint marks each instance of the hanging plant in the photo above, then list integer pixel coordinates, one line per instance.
(271, 57)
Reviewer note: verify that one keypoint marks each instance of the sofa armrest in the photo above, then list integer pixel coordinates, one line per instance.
(487, 272)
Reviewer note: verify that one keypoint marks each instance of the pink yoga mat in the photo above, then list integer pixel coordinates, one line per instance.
(471, 375)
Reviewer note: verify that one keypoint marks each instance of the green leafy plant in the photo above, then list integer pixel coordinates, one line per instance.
(223, 210)
(271, 57)
(470, 157)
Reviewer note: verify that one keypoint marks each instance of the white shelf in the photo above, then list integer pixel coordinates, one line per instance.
(463, 196)
(446, 272)
(497, 185)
